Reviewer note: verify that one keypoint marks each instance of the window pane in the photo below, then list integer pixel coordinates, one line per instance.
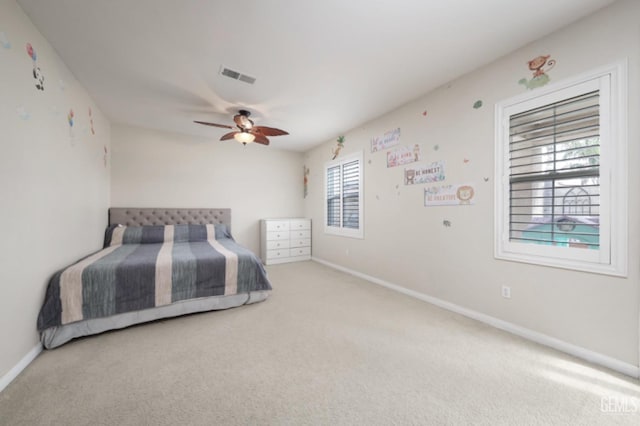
(563, 212)
(350, 195)
(554, 174)
(333, 196)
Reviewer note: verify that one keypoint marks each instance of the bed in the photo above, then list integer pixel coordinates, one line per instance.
(156, 263)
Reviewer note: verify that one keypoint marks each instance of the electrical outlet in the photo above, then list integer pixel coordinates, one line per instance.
(506, 292)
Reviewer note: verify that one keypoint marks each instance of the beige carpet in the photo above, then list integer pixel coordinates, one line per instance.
(326, 348)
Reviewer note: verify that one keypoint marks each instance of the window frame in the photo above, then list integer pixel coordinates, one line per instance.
(341, 230)
(611, 258)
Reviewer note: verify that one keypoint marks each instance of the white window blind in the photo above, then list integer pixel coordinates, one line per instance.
(333, 195)
(343, 215)
(351, 195)
(554, 173)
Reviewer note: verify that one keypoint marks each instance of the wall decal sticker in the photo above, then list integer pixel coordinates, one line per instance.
(340, 145)
(31, 52)
(540, 78)
(4, 40)
(449, 195)
(106, 153)
(466, 160)
(23, 113)
(477, 104)
(465, 194)
(424, 113)
(446, 224)
(403, 155)
(390, 138)
(369, 161)
(436, 147)
(434, 172)
(305, 171)
(37, 73)
(72, 134)
(93, 132)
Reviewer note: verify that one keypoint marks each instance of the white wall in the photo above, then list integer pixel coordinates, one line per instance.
(54, 188)
(159, 169)
(406, 243)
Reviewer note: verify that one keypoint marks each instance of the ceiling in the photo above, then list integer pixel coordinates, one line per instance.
(321, 67)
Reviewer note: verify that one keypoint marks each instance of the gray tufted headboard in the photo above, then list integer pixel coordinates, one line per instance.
(134, 216)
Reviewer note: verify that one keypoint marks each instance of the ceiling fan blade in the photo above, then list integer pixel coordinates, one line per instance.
(228, 136)
(260, 138)
(224, 126)
(269, 131)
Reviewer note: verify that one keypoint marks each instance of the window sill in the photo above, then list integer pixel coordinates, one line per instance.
(571, 264)
(343, 232)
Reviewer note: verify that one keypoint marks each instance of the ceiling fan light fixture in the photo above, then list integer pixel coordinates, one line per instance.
(244, 137)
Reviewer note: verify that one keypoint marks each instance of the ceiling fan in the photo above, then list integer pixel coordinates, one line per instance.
(247, 132)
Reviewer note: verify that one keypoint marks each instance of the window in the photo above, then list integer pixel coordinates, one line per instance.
(343, 196)
(561, 175)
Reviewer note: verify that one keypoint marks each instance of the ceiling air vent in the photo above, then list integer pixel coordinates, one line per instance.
(236, 75)
(247, 79)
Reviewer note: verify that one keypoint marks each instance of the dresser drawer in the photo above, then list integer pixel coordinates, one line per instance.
(303, 242)
(277, 244)
(278, 235)
(305, 233)
(277, 254)
(277, 225)
(300, 224)
(301, 251)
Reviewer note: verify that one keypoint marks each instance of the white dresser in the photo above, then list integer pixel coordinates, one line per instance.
(285, 240)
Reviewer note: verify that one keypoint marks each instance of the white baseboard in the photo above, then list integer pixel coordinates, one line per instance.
(543, 339)
(17, 369)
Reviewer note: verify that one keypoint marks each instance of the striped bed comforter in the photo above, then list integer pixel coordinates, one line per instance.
(150, 266)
